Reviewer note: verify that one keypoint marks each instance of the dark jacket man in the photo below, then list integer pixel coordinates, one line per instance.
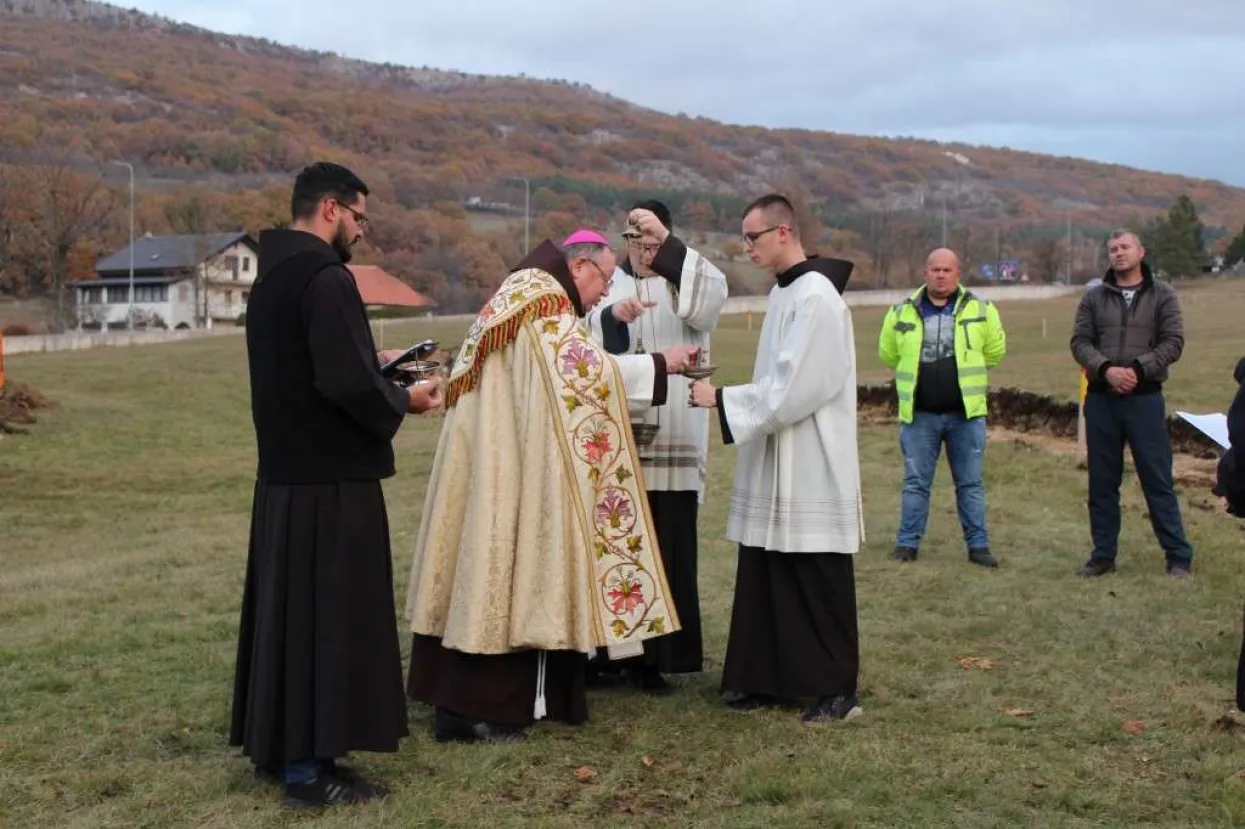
(1128, 333)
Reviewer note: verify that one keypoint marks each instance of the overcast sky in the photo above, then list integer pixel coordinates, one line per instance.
(1155, 84)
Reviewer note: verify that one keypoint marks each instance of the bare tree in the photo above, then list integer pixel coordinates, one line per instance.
(965, 243)
(878, 240)
(12, 278)
(69, 210)
(914, 237)
(1046, 260)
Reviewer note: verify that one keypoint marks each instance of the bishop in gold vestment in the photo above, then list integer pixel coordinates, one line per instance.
(536, 545)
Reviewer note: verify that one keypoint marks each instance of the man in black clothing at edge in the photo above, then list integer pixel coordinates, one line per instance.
(318, 667)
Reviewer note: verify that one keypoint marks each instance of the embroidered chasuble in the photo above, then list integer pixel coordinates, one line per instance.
(536, 532)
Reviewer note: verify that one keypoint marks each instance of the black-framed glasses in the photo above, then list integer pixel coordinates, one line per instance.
(751, 236)
(361, 218)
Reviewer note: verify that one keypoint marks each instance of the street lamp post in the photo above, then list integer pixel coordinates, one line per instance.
(130, 167)
(527, 211)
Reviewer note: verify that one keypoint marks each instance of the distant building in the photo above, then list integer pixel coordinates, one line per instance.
(179, 282)
(378, 289)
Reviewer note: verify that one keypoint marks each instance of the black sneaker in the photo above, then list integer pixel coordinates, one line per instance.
(270, 774)
(1096, 567)
(330, 790)
(349, 775)
(833, 709)
(1179, 569)
(747, 703)
(983, 556)
(904, 554)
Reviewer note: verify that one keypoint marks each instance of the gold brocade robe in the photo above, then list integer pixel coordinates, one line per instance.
(536, 532)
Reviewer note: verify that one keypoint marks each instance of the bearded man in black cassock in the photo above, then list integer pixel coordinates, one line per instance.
(318, 669)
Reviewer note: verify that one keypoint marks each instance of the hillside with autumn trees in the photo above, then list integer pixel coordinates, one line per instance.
(216, 126)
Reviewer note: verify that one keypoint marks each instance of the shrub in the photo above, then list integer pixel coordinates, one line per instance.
(19, 329)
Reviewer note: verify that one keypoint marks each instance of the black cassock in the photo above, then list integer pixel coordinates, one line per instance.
(675, 516)
(1230, 485)
(318, 666)
(793, 626)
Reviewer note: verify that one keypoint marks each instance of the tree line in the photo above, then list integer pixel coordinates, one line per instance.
(57, 217)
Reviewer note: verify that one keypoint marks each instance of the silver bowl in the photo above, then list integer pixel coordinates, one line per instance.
(699, 372)
(417, 371)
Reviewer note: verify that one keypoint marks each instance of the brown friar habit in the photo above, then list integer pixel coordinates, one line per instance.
(318, 666)
(495, 652)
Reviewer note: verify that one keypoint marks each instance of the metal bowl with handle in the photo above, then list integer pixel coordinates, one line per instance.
(416, 371)
(699, 372)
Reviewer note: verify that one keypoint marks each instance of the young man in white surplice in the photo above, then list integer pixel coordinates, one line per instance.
(795, 505)
(665, 295)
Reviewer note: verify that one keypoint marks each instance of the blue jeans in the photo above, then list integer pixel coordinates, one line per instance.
(921, 441)
(303, 771)
(1139, 420)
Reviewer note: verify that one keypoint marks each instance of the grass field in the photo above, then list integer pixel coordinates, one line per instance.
(123, 526)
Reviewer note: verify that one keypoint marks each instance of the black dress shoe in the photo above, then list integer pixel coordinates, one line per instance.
(601, 674)
(450, 727)
(650, 681)
(746, 703)
(1179, 569)
(904, 554)
(983, 556)
(1096, 567)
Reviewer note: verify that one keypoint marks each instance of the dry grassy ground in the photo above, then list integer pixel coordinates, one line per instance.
(123, 525)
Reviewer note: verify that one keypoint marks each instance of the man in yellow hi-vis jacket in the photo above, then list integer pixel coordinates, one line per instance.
(941, 341)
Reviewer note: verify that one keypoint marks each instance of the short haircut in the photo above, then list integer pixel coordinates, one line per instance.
(1122, 232)
(777, 209)
(658, 209)
(324, 180)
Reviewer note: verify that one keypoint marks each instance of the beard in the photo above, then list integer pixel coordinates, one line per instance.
(342, 243)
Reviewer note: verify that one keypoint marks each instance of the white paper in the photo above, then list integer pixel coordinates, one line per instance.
(1214, 426)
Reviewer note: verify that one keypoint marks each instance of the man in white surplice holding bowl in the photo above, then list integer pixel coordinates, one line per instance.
(666, 294)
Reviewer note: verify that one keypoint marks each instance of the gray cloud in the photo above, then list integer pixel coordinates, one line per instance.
(1147, 83)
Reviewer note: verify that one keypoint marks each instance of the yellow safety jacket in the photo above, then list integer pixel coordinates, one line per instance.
(979, 345)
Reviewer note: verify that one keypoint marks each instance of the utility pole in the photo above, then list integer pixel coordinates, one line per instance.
(1068, 255)
(944, 219)
(130, 167)
(527, 211)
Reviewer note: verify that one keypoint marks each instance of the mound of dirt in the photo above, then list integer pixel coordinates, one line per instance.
(18, 402)
(1037, 414)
